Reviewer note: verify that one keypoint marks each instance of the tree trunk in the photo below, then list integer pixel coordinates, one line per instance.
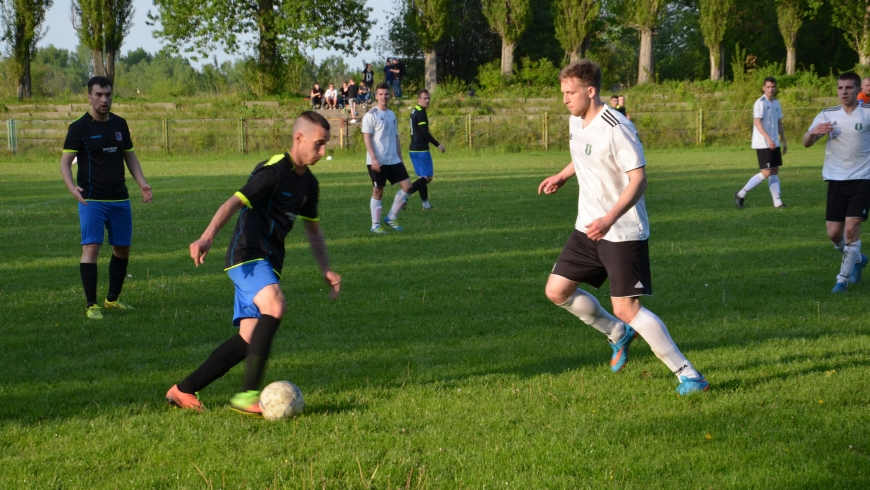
(864, 59)
(267, 47)
(24, 83)
(507, 57)
(430, 80)
(646, 63)
(99, 69)
(791, 57)
(110, 66)
(716, 63)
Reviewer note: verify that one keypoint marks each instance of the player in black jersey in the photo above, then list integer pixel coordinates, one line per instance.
(101, 142)
(419, 151)
(278, 191)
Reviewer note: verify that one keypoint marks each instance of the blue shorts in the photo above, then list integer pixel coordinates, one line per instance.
(250, 278)
(114, 216)
(422, 161)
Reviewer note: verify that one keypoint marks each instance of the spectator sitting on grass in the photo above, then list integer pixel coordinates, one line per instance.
(316, 96)
(331, 97)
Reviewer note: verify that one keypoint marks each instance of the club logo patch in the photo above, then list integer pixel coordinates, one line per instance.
(588, 149)
(859, 126)
(118, 136)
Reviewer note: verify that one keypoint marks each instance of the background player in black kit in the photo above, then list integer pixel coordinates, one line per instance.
(101, 142)
(421, 158)
(278, 191)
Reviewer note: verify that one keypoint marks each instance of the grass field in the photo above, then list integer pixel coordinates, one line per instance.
(443, 365)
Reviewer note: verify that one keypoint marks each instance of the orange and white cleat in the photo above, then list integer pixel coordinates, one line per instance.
(183, 400)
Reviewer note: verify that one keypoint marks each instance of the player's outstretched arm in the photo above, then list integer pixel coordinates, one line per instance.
(318, 249)
(552, 184)
(632, 193)
(136, 171)
(200, 248)
(66, 172)
(816, 132)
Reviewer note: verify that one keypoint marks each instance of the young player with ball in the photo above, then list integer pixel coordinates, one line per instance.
(612, 228)
(278, 191)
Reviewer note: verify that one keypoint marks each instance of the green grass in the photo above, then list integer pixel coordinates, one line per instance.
(443, 365)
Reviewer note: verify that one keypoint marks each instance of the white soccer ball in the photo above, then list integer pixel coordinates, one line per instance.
(329, 158)
(281, 399)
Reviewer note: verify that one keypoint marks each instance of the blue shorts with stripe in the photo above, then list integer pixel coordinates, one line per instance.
(249, 279)
(422, 161)
(114, 216)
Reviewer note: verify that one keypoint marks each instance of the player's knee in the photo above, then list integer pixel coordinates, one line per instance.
(557, 294)
(429, 179)
(625, 312)
(378, 193)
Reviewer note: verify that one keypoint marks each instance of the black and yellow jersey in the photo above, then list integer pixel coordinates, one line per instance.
(274, 196)
(420, 136)
(99, 147)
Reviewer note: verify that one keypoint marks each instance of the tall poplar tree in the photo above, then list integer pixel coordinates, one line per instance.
(21, 23)
(853, 16)
(713, 16)
(573, 19)
(428, 19)
(642, 15)
(790, 15)
(509, 19)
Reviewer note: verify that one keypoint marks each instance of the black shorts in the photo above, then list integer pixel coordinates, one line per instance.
(768, 158)
(847, 199)
(394, 173)
(625, 263)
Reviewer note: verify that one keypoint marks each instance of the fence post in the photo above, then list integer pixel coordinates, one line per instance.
(700, 127)
(166, 135)
(470, 132)
(242, 135)
(546, 130)
(12, 136)
(341, 132)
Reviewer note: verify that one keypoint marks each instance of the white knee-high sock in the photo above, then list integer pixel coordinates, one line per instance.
(840, 246)
(397, 204)
(654, 331)
(754, 181)
(587, 308)
(851, 255)
(773, 184)
(375, 206)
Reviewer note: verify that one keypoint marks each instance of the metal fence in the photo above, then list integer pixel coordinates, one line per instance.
(506, 132)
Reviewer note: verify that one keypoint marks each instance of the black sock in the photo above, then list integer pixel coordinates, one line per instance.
(418, 185)
(221, 360)
(424, 191)
(89, 282)
(261, 343)
(117, 274)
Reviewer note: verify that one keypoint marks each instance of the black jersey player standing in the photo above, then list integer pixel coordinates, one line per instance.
(421, 158)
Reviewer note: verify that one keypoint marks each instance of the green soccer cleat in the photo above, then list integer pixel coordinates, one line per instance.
(118, 304)
(93, 312)
(247, 403)
(377, 230)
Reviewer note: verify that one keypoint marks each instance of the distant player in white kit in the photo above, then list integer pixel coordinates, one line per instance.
(768, 140)
(847, 171)
(612, 228)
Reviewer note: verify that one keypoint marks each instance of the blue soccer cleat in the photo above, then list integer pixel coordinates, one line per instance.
(394, 224)
(692, 385)
(855, 276)
(839, 288)
(620, 349)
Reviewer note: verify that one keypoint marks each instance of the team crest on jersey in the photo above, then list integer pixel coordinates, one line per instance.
(118, 136)
(859, 126)
(588, 149)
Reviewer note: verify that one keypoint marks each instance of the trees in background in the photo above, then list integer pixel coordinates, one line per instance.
(643, 16)
(573, 20)
(853, 17)
(713, 18)
(102, 26)
(428, 19)
(281, 29)
(21, 23)
(509, 19)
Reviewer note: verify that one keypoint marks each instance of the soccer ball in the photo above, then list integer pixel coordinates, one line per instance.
(281, 399)
(329, 157)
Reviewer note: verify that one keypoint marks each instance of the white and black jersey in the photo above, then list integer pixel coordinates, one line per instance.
(602, 153)
(770, 112)
(847, 152)
(383, 127)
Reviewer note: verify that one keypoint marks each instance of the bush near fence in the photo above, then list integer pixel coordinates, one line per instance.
(505, 132)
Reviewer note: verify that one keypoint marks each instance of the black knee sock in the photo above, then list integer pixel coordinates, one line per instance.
(117, 274)
(89, 282)
(424, 191)
(221, 360)
(261, 343)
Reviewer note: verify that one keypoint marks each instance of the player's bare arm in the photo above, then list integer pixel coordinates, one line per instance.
(816, 133)
(632, 193)
(66, 172)
(135, 168)
(760, 127)
(399, 149)
(367, 139)
(318, 249)
(781, 136)
(200, 248)
(552, 184)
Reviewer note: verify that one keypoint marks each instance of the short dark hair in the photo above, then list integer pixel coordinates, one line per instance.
(422, 91)
(614, 97)
(98, 80)
(851, 75)
(587, 71)
(768, 79)
(315, 118)
(382, 85)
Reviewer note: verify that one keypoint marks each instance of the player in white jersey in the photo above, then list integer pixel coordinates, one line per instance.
(847, 171)
(384, 160)
(768, 140)
(610, 236)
